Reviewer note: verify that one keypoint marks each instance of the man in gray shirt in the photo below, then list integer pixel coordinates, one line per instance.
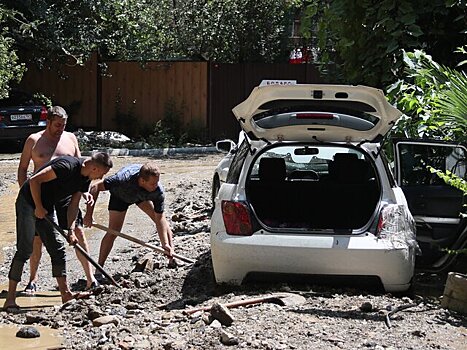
(134, 184)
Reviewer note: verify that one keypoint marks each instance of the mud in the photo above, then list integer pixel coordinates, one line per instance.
(146, 312)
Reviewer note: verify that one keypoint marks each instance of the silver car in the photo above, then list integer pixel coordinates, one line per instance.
(308, 190)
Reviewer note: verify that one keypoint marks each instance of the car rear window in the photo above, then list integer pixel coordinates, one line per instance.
(316, 163)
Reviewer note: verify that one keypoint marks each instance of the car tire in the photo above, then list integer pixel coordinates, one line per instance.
(216, 184)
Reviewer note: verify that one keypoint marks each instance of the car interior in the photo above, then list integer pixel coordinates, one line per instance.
(342, 197)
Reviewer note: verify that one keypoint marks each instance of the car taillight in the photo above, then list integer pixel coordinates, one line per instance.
(394, 219)
(43, 113)
(236, 218)
(314, 116)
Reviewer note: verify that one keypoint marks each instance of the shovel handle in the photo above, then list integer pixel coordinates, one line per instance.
(83, 252)
(143, 243)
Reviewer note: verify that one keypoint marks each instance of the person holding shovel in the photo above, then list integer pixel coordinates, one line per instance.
(56, 180)
(134, 184)
(41, 147)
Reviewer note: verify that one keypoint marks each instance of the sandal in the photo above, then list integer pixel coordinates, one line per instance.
(31, 288)
(93, 286)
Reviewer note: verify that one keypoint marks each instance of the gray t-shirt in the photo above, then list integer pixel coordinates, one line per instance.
(124, 185)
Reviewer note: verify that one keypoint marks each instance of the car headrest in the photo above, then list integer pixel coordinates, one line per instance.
(272, 169)
(347, 168)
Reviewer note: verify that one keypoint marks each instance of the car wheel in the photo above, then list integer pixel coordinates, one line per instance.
(215, 189)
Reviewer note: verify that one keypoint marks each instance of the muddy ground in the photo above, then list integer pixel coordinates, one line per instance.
(146, 312)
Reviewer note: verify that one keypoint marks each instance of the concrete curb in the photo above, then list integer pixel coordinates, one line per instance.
(152, 151)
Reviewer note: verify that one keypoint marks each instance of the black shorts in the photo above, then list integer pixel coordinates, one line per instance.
(61, 213)
(61, 209)
(117, 204)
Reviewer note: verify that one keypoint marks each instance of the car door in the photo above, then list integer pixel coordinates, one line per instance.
(435, 205)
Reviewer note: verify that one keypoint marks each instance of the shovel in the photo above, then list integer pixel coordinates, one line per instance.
(82, 251)
(143, 243)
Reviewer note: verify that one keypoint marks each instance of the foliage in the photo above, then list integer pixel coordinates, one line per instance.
(361, 42)
(171, 131)
(10, 67)
(45, 100)
(232, 30)
(452, 180)
(433, 98)
(126, 121)
(68, 31)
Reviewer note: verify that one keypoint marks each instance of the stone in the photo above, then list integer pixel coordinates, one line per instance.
(28, 332)
(34, 318)
(100, 321)
(227, 338)
(366, 307)
(95, 312)
(222, 314)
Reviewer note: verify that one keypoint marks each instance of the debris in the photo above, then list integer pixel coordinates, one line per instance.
(387, 319)
(283, 299)
(222, 314)
(28, 332)
(227, 338)
(366, 307)
(455, 293)
(103, 320)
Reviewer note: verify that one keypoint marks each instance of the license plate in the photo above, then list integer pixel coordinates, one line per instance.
(15, 117)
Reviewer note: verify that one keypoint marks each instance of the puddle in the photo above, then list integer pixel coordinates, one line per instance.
(32, 303)
(8, 220)
(49, 339)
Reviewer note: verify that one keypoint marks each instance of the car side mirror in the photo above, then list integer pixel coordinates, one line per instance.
(226, 146)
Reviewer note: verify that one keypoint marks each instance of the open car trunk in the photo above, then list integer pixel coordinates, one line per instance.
(313, 187)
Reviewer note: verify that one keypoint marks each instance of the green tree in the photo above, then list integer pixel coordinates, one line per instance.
(433, 98)
(68, 31)
(10, 67)
(361, 41)
(232, 30)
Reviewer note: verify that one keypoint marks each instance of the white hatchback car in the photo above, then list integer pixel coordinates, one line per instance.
(309, 192)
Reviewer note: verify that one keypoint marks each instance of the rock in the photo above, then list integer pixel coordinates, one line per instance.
(145, 264)
(140, 283)
(34, 318)
(94, 312)
(366, 307)
(132, 306)
(290, 299)
(215, 324)
(227, 338)
(221, 313)
(28, 332)
(100, 321)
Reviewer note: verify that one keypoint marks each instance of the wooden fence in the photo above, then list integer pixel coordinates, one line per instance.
(130, 95)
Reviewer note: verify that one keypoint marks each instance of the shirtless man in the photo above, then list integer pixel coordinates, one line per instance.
(41, 147)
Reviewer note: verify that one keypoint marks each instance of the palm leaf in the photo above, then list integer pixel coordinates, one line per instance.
(453, 99)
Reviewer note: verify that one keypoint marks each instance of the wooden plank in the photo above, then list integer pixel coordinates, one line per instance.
(179, 82)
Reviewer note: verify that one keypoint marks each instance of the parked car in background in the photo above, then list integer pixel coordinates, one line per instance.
(309, 191)
(20, 115)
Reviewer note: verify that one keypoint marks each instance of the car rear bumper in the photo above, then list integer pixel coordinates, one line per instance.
(18, 132)
(234, 257)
